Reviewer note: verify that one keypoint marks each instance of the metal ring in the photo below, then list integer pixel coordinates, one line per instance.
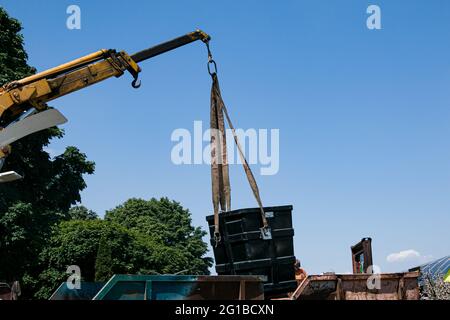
(209, 68)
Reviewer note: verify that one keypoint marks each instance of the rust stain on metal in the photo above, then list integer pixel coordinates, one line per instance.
(394, 286)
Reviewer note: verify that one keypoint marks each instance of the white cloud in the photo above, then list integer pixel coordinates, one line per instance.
(405, 255)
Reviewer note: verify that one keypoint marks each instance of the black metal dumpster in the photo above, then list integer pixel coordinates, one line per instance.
(242, 251)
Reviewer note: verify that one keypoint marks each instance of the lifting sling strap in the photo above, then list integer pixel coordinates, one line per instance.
(221, 192)
(219, 164)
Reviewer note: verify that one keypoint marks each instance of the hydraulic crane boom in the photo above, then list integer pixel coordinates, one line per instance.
(17, 98)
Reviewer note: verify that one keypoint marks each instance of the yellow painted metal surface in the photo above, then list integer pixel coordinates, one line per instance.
(36, 90)
(133, 65)
(5, 101)
(64, 67)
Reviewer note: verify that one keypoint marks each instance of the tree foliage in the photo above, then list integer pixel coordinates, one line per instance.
(13, 58)
(170, 225)
(82, 213)
(31, 206)
(103, 263)
(137, 237)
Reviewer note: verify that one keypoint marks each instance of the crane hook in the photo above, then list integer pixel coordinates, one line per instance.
(136, 82)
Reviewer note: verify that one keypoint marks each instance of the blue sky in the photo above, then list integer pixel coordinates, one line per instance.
(363, 114)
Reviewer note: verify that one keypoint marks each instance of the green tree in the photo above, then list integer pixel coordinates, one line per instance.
(76, 242)
(31, 206)
(82, 213)
(103, 270)
(13, 57)
(169, 225)
(138, 237)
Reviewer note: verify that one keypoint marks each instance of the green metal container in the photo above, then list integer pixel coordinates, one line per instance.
(180, 287)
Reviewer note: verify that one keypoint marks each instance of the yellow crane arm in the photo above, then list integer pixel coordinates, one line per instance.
(33, 92)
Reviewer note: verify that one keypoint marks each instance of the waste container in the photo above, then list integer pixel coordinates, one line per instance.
(180, 287)
(392, 286)
(243, 251)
